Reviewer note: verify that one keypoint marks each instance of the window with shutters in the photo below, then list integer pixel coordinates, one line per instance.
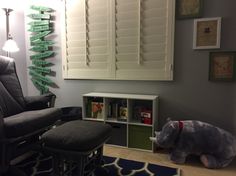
(119, 39)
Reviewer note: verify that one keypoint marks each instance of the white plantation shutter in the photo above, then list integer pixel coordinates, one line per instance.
(88, 54)
(119, 39)
(144, 49)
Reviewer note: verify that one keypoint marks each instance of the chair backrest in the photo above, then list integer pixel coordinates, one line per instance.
(11, 95)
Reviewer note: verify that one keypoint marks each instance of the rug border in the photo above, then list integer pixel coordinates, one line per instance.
(177, 169)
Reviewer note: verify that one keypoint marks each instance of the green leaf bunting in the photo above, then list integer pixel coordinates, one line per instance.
(42, 42)
(40, 77)
(39, 85)
(39, 22)
(39, 16)
(43, 55)
(41, 8)
(40, 63)
(39, 35)
(41, 49)
(39, 28)
(40, 69)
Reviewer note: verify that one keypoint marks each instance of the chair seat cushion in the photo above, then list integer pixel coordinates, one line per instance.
(30, 121)
(78, 135)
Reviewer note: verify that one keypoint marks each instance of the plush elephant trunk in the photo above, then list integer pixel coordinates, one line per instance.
(169, 134)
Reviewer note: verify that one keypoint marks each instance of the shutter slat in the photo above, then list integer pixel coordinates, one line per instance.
(126, 32)
(127, 49)
(75, 28)
(78, 43)
(127, 24)
(95, 11)
(127, 57)
(154, 4)
(151, 56)
(149, 13)
(78, 57)
(126, 7)
(92, 57)
(97, 35)
(96, 3)
(130, 15)
(152, 39)
(160, 22)
(118, 2)
(97, 50)
(76, 50)
(101, 18)
(75, 20)
(152, 48)
(161, 30)
(127, 41)
(144, 65)
(93, 65)
(72, 36)
(97, 27)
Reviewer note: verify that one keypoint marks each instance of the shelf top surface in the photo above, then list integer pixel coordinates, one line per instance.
(119, 95)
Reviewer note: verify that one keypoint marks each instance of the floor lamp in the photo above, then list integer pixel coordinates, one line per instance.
(10, 45)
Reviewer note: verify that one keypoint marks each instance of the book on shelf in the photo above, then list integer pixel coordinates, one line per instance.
(97, 110)
(117, 112)
(123, 113)
(88, 108)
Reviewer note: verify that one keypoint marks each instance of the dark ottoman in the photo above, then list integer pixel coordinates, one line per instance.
(76, 144)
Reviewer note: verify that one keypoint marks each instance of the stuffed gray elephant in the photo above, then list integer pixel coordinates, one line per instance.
(216, 147)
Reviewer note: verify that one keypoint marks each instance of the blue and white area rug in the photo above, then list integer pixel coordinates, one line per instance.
(123, 167)
(40, 165)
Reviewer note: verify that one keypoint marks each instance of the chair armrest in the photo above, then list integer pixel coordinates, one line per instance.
(40, 102)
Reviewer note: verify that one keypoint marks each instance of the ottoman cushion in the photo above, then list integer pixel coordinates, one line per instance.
(78, 135)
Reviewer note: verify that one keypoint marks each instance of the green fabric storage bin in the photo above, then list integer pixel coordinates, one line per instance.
(139, 137)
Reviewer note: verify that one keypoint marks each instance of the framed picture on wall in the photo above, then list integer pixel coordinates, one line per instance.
(206, 33)
(222, 66)
(189, 9)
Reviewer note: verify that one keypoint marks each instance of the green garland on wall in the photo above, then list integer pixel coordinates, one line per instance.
(40, 28)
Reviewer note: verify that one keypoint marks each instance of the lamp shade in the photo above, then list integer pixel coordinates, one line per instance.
(10, 46)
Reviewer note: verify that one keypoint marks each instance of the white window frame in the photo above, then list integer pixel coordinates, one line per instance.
(166, 75)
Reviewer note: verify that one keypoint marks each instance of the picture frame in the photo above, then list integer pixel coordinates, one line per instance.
(189, 9)
(222, 66)
(207, 33)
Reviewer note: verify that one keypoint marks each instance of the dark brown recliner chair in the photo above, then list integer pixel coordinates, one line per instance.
(22, 119)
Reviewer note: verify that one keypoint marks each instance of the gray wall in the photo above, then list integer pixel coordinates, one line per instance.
(190, 95)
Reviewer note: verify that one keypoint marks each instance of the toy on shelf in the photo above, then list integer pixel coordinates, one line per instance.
(216, 147)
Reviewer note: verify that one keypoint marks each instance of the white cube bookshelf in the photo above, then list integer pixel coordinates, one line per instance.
(133, 117)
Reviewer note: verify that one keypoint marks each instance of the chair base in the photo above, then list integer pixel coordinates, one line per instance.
(67, 163)
(13, 171)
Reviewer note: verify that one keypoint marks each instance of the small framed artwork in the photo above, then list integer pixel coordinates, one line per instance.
(189, 9)
(206, 33)
(222, 66)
